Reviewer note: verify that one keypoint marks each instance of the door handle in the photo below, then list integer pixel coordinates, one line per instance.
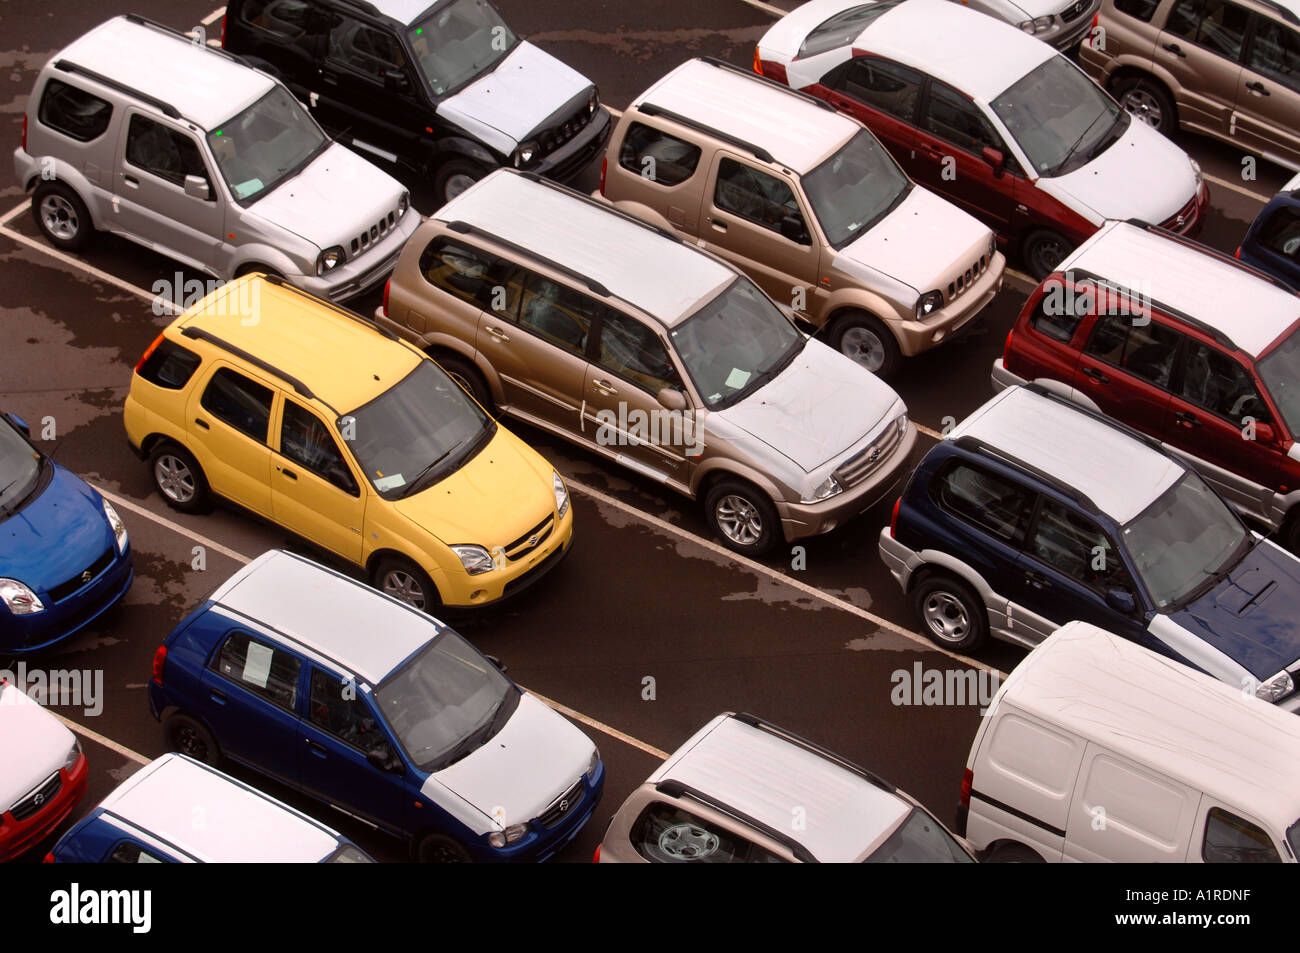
(1186, 419)
(199, 422)
(317, 749)
(718, 224)
(287, 472)
(1036, 579)
(218, 697)
(605, 387)
(1174, 48)
(1257, 87)
(933, 151)
(498, 334)
(131, 180)
(1096, 375)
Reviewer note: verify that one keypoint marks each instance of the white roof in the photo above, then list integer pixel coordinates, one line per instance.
(362, 630)
(1161, 713)
(1252, 312)
(1119, 473)
(628, 258)
(978, 54)
(204, 85)
(214, 818)
(766, 777)
(797, 133)
(404, 11)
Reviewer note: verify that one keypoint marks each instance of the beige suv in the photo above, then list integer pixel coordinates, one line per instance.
(604, 330)
(1226, 69)
(809, 204)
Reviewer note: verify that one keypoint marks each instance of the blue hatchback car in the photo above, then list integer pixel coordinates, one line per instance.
(1272, 243)
(65, 557)
(1034, 512)
(376, 709)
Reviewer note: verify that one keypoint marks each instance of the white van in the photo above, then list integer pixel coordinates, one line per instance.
(1097, 749)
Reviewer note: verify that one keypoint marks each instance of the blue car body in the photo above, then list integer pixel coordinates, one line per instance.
(1272, 243)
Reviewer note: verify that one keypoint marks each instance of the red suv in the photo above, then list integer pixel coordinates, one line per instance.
(1187, 345)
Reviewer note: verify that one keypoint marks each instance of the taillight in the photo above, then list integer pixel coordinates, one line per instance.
(149, 350)
(596, 857)
(223, 32)
(159, 659)
(49, 858)
(1236, 254)
(967, 781)
(604, 164)
(1006, 347)
(758, 63)
(384, 306)
(893, 518)
(24, 132)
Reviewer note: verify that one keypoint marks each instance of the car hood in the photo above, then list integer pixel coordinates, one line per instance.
(33, 744)
(504, 106)
(918, 243)
(522, 769)
(333, 200)
(814, 410)
(56, 535)
(1142, 175)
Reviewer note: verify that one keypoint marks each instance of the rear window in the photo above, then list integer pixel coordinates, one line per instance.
(657, 156)
(1142, 10)
(984, 499)
(170, 365)
(74, 112)
(843, 28)
(1060, 310)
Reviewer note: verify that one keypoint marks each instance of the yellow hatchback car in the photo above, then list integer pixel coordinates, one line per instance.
(317, 420)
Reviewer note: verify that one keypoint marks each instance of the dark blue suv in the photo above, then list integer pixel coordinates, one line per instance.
(1272, 243)
(1035, 512)
(376, 709)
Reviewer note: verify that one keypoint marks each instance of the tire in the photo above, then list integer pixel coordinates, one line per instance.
(455, 176)
(1148, 101)
(1288, 537)
(62, 216)
(189, 737)
(866, 341)
(950, 614)
(179, 479)
(441, 849)
(402, 579)
(1013, 854)
(468, 377)
(743, 516)
(1042, 250)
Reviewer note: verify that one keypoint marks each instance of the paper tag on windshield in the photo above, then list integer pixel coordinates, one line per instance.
(244, 189)
(390, 482)
(257, 666)
(737, 378)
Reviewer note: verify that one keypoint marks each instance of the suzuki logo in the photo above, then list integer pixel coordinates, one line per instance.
(86, 576)
(38, 800)
(532, 540)
(874, 455)
(564, 805)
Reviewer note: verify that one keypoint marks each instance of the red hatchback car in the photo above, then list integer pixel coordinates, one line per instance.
(1187, 345)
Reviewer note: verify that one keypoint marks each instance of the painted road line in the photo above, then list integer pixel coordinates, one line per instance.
(1239, 189)
(601, 726)
(928, 432)
(214, 16)
(765, 7)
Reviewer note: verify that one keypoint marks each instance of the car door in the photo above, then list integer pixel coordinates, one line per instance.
(250, 698)
(1127, 364)
(229, 418)
(1201, 48)
(289, 34)
(1268, 96)
(884, 96)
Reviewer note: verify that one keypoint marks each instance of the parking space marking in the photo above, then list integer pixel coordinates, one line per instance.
(601, 726)
(928, 432)
(101, 740)
(1240, 189)
(766, 8)
(162, 521)
(212, 17)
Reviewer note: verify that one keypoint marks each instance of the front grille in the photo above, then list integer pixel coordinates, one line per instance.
(563, 806)
(862, 464)
(38, 799)
(537, 535)
(374, 233)
(967, 279)
(1074, 12)
(548, 140)
(533, 573)
(65, 589)
(1188, 215)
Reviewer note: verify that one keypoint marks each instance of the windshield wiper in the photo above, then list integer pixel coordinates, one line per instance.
(1061, 165)
(411, 487)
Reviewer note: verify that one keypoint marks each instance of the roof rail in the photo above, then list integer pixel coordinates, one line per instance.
(677, 789)
(1206, 249)
(745, 718)
(280, 282)
(166, 108)
(976, 445)
(182, 35)
(1287, 13)
(723, 64)
(202, 334)
(606, 206)
(650, 109)
(465, 228)
(1112, 285)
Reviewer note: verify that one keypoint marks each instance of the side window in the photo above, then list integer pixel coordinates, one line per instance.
(262, 669)
(1275, 52)
(953, 118)
(288, 18)
(74, 112)
(1144, 350)
(1214, 24)
(163, 151)
(1142, 10)
(128, 852)
(1059, 312)
(1281, 233)
(1231, 840)
(633, 351)
(753, 195)
(305, 439)
(336, 709)
(1077, 547)
(471, 275)
(170, 365)
(657, 156)
(239, 402)
(668, 835)
(1216, 382)
(557, 313)
(879, 84)
(993, 503)
(363, 48)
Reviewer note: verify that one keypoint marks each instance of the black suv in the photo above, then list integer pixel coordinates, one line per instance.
(446, 88)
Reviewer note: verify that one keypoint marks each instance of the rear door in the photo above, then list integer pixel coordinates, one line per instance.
(1201, 46)
(229, 418)
(883, 95)
(249, 696)
(1268, 98)
(1127, 365)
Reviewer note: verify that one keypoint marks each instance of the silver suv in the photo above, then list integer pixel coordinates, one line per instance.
(137, 130)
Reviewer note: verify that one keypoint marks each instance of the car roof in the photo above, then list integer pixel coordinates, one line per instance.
(205, 86)
(978, 54)
(343, 359)
(1223, 295)
(1120, 474)
(215, 818)
(594, 241)
(404, 11)
(764, 776)
(797, 133)
(334, 616)
(1164, 715)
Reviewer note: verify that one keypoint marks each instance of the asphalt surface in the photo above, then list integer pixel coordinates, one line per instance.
(644, 594)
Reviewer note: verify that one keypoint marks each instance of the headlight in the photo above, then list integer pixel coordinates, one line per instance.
(592, 102)
(829, 487)
(901, 423)
(928, 303)
(993, 246)
(561, 494)
(119, 528)
(594, 762)
(403, 203)
(330, 259)
(1200, 176)
(475, 559)
(1036, 25)
(1276, 688)
(526, 153)
(19, 599)
(508, 836)
(74, 753)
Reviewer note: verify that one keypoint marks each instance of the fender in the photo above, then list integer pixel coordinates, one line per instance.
(92, 194)
(1132, 63)
(647, 214)
(452, 146)
(855, 299)
(933, 557)
(399, 545)
(711, 468)
(266, 256)
(438, 341)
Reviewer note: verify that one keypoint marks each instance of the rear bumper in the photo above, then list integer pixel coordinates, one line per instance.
(1003, 378)
(898, 559)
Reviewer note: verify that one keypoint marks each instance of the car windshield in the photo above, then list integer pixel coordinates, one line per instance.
(20, 467)
(1279, 371)
(446, 702)
(1293, 838)
(1059, 117)
(920, 839)
(265, 144)
(349, 855)
(855, 188)
(1184, 541)
(458, 41)
(418, 430)
(735, 344)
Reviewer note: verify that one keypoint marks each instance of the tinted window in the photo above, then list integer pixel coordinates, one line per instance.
(632, 351)
(337, 709)
(1279, 370)
(262, 669)
(306, 440)
(244, 404)
(1075, 546)
(1213, 24)
(1144, 350)
(1216, 382)
(20, 468)
(129, 853)
(920, 839)
(880, 84)
(363, 48)
(163, 151)
(74, 112)
(991, 502)
(1060, 310)
(855, 188)
(843, 28)
(471, 275)
(761, 198)
(558, 313)
(285, 17)
(953, 118)
(458, 41)
(1281, 233)
(1275, 52)
(1231, 840)
(657, 156)
(170, 365)
(668, 835)
(1141, 9)
(266, 143)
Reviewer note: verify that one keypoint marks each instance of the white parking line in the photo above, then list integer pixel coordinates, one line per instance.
(1240, 189)
(765, 7)
(162, 521)
(214, 16)
(928, 432)
(101, 740)
(601, 726)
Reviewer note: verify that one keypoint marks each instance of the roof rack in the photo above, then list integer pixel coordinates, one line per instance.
(750, 74)
(677, 789)
(166, 108)
(182, 35)
(465, 228)
(1078, 274)
(976, 445)
(745, 718)
(605, 206)
(1287, 13)
(280, 282)
(650, 109)
(202, 334)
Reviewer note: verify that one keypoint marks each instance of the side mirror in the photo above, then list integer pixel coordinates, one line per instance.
(197, 187)
(671, 398)
(395, 80)
(20, 424)
(793, 229)
(382, 759)
(497, 662)
(1264, 433)
(1121, 600)
(994, 158)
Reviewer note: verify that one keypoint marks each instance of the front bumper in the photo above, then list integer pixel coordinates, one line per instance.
(541, 844)
(1066, 35)
(359, 275)
(21, 635)
(18, 836)
(496, 586)
(916, 336)
(572, 157)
